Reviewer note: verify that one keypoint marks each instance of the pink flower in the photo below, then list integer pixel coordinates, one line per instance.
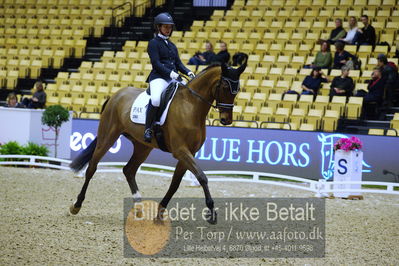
(348, 144)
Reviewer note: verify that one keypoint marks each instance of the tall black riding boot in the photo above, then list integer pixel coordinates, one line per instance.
(149, 121)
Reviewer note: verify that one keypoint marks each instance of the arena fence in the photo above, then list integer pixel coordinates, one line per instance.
(320, 187)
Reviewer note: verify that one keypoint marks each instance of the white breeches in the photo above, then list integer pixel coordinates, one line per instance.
(157, 87)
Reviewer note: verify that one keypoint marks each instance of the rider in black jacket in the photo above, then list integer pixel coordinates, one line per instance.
(165, 63)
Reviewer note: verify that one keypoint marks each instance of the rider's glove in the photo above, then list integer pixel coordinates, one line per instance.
(191, 75)
(174, 75)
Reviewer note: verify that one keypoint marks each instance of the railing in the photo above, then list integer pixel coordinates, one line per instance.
(320, 187)
(118, 19)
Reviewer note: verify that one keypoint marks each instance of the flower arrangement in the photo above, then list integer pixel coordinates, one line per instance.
(348, 144)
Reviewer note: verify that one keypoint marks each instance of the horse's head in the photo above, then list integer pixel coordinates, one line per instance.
(226, 90)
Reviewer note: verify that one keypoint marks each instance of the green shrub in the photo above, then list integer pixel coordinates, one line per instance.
(11, 147)
(35, 149)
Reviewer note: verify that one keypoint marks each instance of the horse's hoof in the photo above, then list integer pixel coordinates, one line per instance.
(73, 210)
(211, 217)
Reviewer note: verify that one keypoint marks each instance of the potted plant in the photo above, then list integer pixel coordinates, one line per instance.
(348, 160)
(54, 116)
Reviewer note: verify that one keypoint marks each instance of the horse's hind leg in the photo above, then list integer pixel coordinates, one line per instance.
(140, 154)
(104, 142)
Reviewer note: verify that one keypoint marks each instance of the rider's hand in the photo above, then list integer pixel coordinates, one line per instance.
(174, 75)
(191, 75)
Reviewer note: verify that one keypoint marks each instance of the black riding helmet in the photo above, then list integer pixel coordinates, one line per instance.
(163, 18)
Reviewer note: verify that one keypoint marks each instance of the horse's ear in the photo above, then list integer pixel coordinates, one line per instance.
(243, 65)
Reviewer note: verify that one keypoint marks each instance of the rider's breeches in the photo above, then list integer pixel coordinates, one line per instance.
(157, 86)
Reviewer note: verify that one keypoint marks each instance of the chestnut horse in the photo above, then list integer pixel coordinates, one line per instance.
(184, 131)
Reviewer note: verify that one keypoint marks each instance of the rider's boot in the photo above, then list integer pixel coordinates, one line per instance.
(149, 122)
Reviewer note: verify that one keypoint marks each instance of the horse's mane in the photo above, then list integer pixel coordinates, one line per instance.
(211, 66)
(206, 69)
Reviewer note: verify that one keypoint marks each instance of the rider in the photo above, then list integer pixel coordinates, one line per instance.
(165, 63)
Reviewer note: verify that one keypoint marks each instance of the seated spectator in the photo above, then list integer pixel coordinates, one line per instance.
(352, 35)
(390, 77)
(342, 85)
(12, 101)
(223, 56)
(338, 32)
(311, 84)
(323, 57)
(367, 33)
(204, 58)
(375, 88)
(341, 56)
(39, 97)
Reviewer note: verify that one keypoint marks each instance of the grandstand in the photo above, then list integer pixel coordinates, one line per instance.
(60, 43)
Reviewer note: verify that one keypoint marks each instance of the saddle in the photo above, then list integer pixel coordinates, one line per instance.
(139, 110)
(166, 96)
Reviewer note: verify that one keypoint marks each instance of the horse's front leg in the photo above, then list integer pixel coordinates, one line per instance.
(186, 160)
(174, 185)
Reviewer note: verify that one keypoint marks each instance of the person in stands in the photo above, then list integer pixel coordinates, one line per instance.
(367, 33)
(204, 58)
(38, 99)
(311, 84)
(342, 85)
(12, 101)
(223, 56)
(337, 33)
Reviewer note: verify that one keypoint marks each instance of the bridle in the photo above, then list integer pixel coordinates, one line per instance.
(234, 86)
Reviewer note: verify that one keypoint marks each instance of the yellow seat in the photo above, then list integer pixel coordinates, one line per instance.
(289, 101)
(274, 99)
(314, 117)
(237, 111)
(258, 99)
(338, 103)
(330, 120)
(321, 103)
(307, 127)
(392, 132)
(395, 121)
(271, 125)
(282, 114)
(265, 114)
(297, 116)
(376, 131)
(354, 107)
(243, 98)
(249, 113)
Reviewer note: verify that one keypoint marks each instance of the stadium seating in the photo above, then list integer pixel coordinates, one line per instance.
(279, 36)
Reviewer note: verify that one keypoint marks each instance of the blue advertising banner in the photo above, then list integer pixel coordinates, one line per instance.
(296, 153)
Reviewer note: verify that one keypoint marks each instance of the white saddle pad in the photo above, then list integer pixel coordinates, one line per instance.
(139, 108)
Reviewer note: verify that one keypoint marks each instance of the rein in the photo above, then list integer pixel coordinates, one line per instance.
(218, 105)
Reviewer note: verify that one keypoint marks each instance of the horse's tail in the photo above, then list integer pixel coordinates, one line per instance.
(84, 157)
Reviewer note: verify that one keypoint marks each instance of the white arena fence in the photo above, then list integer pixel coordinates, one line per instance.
(320, 187)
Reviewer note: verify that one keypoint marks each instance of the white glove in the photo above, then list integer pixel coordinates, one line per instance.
(174, 75)
(191, 75)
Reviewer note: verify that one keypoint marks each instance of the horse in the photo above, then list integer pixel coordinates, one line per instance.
(184, 131)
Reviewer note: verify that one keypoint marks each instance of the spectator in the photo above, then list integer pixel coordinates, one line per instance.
(352, 35)
(375, 88)
(338, 32)
(323, 57)
(390, 77)
(367, 33)
(204, 58)
(39, 97)
(311, 84)
(223, 56)
(342, 85)
(12, 101)
(341, 56)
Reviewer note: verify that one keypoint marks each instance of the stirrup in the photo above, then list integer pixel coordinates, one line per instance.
(148, 135)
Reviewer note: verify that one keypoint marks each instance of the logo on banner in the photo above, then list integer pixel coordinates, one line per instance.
(327, 155)
(80, 142)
